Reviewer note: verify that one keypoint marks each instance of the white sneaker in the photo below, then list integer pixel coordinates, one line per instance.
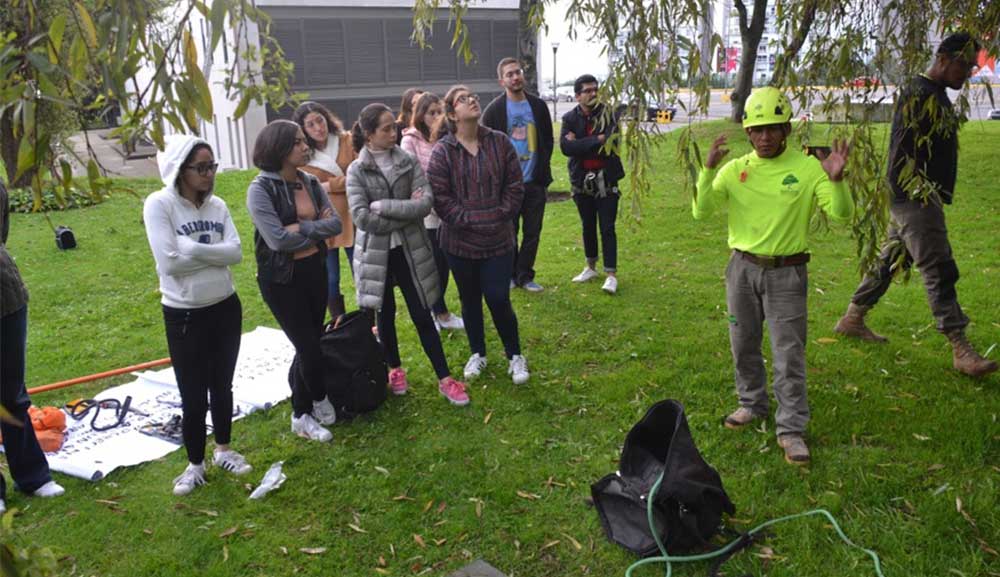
(475, 366)
(587, 274)
(307, 428)
(323, 412)
(610, 285)
(50, 489)
(192, 476)
(3, 507)
(231, 461)
(518, 370)
(453, 323)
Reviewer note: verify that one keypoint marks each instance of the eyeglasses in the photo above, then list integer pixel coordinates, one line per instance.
(467, 98)
(590, 90)
(203, 168)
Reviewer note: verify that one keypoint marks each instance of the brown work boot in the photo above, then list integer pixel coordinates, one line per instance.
(740, 418)
(796, 451)
(852, 324)
(965, 358)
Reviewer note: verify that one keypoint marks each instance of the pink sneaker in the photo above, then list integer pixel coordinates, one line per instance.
(397, 381)
(454, 391)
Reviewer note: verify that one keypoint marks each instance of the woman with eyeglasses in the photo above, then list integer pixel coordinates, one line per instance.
(332, 153)
(292, 219)
(389, 198)
(194, 242)
(478, 189)
(418, 140)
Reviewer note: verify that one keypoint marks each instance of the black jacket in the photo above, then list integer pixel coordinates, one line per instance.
(584, 147)
(495, 117)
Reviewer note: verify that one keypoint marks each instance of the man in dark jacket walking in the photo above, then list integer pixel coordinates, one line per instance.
(923, 162)
(525, 119)
(594, 173)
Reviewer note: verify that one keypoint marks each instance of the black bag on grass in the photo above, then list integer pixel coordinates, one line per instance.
(689, 503)
(356, 373)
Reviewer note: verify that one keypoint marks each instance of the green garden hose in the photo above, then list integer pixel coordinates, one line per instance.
(668, 560)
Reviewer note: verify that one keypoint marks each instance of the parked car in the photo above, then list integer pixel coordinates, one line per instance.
(863, 82)
(646, 113)
(995, 114)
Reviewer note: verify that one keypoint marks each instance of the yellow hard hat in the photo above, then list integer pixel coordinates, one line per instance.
(766, 105)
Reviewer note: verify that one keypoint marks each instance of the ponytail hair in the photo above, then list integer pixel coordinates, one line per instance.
(367, 123)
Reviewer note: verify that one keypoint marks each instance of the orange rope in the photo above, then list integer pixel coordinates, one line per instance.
(96, 376)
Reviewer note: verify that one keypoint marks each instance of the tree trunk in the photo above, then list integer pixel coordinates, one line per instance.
(705, 39)
(9, 146)
(528, 46)
(787, 57)
(750, 34)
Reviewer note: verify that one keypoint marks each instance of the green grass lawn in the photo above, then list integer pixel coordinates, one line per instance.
(906, 452)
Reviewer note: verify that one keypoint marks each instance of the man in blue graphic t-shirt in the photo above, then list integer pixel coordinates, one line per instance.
(526, 120)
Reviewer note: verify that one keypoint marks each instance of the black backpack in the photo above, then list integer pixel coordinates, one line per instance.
(356, 373)
(690, 501)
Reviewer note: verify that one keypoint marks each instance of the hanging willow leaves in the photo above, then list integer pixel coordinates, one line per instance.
(80, 57)
(662, 48)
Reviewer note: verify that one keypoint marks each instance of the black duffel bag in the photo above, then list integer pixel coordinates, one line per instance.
(356, 373)
(687, 507)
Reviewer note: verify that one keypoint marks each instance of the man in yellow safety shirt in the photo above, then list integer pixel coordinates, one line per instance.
(771, 194)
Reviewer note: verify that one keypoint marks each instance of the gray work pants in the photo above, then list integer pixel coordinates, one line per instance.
(918, 232)
(753, 294)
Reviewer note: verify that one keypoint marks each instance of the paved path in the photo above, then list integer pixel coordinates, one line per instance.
(107, 152)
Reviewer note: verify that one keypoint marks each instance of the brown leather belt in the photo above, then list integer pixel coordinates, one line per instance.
(774, 261)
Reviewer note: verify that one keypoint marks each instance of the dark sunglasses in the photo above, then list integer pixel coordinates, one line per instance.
(203, 168)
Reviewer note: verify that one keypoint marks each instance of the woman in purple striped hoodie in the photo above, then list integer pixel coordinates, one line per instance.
(478, 189)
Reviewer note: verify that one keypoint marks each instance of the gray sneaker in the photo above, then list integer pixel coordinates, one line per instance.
(533, 287)
(740, 418)
(796, 451)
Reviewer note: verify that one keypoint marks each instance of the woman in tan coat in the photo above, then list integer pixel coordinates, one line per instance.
(332, 153)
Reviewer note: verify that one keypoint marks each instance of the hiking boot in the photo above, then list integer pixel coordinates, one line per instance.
(50, 489)
(532, 287)
(587, 274)
(610, 285)
(323, 412)
(740, 418)
(454, 391)
(475, 366)
(518, 370)
(397, 381)
(796, 451)
(452, 322)
(965, 359)
(193, 476)
(231, 461)
(852, 324)
(307, 428)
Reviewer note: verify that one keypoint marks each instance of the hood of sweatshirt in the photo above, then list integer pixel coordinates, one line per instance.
(411, 131)
(178, 146)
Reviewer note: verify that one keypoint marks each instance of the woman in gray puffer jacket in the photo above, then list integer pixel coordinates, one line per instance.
(389, 197)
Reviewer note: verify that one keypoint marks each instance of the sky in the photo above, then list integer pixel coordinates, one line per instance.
(574, 57)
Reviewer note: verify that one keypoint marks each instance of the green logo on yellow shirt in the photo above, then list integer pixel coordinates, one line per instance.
(789, 180)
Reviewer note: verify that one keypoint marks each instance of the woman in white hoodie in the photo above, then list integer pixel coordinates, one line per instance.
(194, 242)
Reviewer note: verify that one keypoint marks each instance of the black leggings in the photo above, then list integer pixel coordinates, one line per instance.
(398, 274)
(299, 307)
(204, 344)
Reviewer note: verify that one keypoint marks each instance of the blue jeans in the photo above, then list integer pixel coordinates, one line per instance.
(487, 278)
(28, 466)
(333, 269)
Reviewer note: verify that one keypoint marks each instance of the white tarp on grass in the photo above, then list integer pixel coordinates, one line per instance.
(261, 381)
